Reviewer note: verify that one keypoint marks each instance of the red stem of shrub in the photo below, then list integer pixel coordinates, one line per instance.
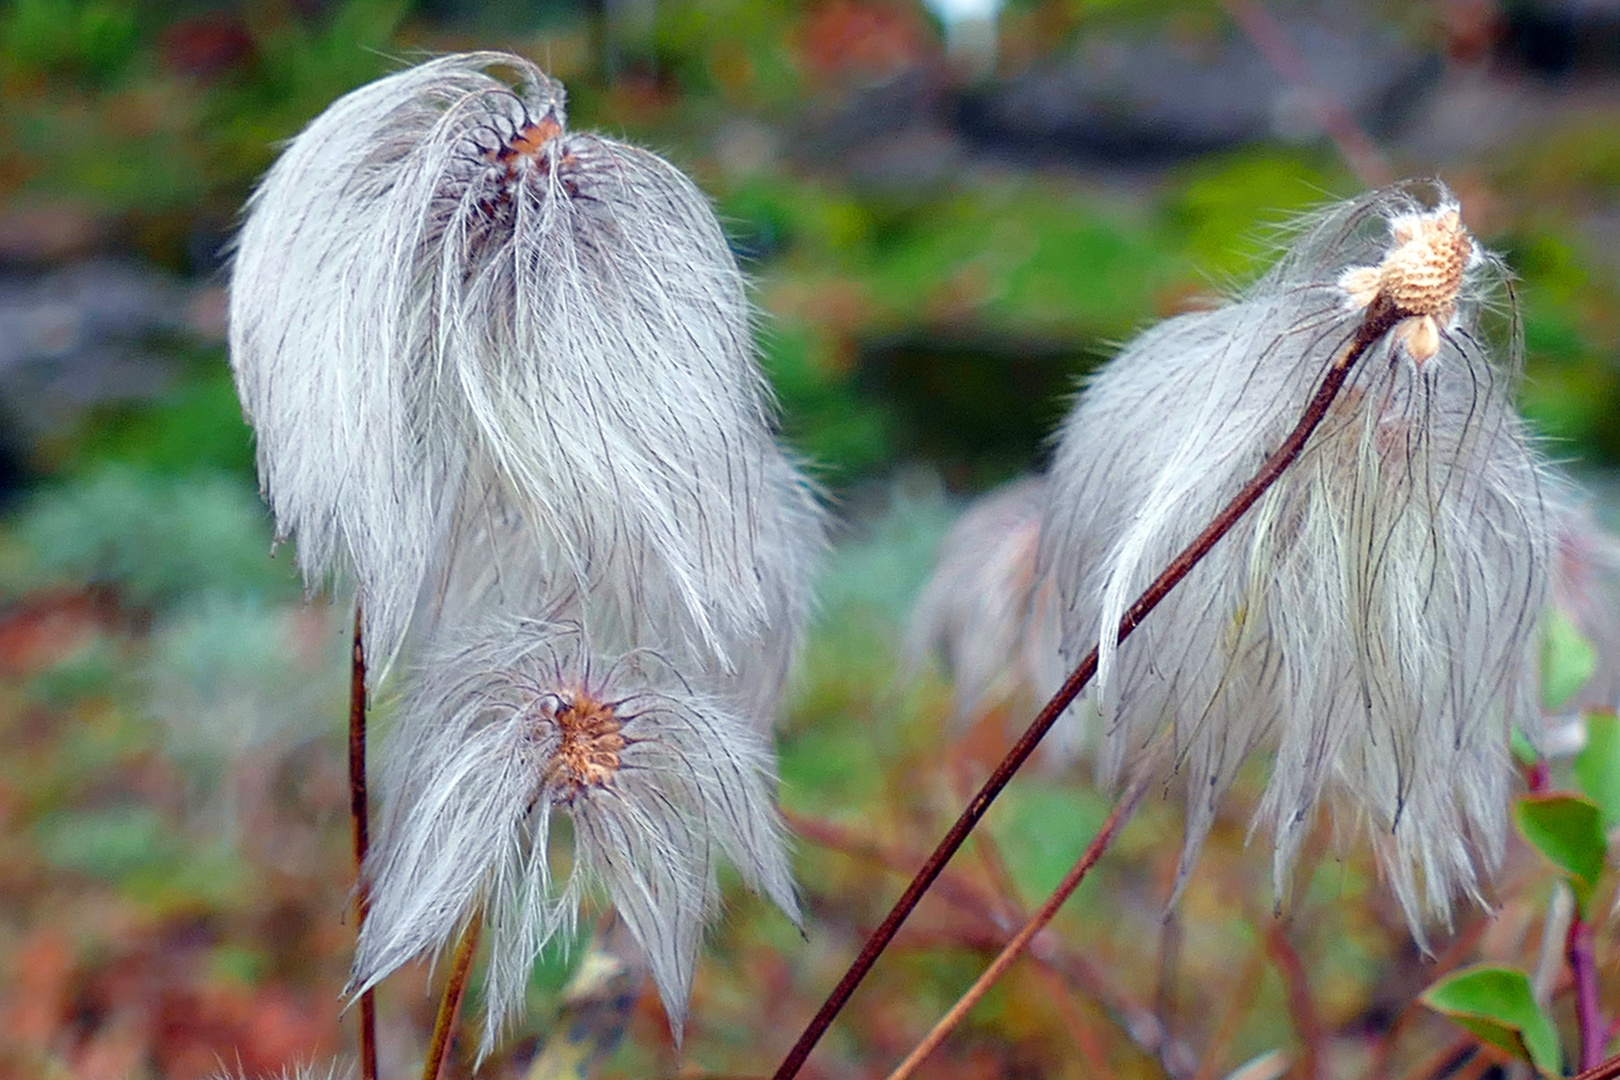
(1588, 1013)
(359, 814)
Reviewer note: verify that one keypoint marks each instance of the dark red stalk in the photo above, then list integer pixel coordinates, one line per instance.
(359, 813)
(1380, 317)
(1588, 1013)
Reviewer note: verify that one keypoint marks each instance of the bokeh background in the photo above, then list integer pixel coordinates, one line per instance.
(949, 214)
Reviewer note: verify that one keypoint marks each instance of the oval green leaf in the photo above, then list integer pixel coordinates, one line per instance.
(1597, 767)
(1495, 1004)
(1568, 830)
(1567, 660)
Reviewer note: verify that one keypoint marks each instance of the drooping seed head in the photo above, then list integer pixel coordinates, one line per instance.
(1374, 615)
(511, 721)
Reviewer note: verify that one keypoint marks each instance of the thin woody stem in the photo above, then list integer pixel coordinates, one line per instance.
(1609, 1070)
(359, 814)
(1588, 1013)
(455, 989)
(1380, 318)
(1019, 941)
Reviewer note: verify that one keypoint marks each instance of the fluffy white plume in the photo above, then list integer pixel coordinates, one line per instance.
(520, 721)
(990, 616)
(497, 560)
(1586, 591)
(1375, 613)
(439, 288)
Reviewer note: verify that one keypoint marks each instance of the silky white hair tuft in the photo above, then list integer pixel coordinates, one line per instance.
(989, 615)
(520, 719)
(438, 287)
(1375, 614)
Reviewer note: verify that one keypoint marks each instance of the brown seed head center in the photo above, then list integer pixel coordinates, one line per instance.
(591, 738)
(530, 140)
(1424, 273)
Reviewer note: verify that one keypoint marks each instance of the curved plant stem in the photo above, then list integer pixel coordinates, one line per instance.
(455, 989)
(1307, 1021)
(359, 813)
(1588, 1013)
(1609, 1070)
(1380, 317)
(1136, 1021)
(1043, 915)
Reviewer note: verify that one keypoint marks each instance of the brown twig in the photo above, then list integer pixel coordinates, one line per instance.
(1609, 1070)
(359, 814)
(1071, 881)
(955, 888)
(1239, 999)
(1136, 1021)
(1085, 1039)
(455, 989)
(1380, 317)
(1301, 1005)
(1012, 903)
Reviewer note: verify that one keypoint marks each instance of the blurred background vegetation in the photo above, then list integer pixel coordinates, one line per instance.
(947, 224)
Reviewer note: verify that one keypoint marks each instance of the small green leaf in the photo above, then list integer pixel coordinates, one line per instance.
(1568, 830)
(1567, 660)
(1523, 752)
(1495, 1004)
(1597, 767)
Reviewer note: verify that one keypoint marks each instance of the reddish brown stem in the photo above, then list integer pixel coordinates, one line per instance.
(1608, 1070)
(1380, 317)
(359, 814)
(455, 990)
(1588, 1013)
(1300, 1002)
(998, 967)
(1092, 1056)
(1239, 1000)
(1138, 1023)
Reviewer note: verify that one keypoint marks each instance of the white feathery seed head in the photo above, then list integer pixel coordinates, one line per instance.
(497, 560)
(989, 615)
(439, 286)
(1586, 591)
(1374, 615)
(521, 721)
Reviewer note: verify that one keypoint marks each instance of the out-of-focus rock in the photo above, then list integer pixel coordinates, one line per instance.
(1164, 97)
(50, 231)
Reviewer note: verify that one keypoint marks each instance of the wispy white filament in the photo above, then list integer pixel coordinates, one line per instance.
(439, 288)
(1374, 615)
(479, 765)
(496, 559)
(989, 614)
(333, 1071)
(1586, 589)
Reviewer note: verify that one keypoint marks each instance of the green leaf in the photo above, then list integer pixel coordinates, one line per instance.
(1568, 830)
(1495, 1004)
(1597, 767)
(1523, 752)
(1567, 660)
